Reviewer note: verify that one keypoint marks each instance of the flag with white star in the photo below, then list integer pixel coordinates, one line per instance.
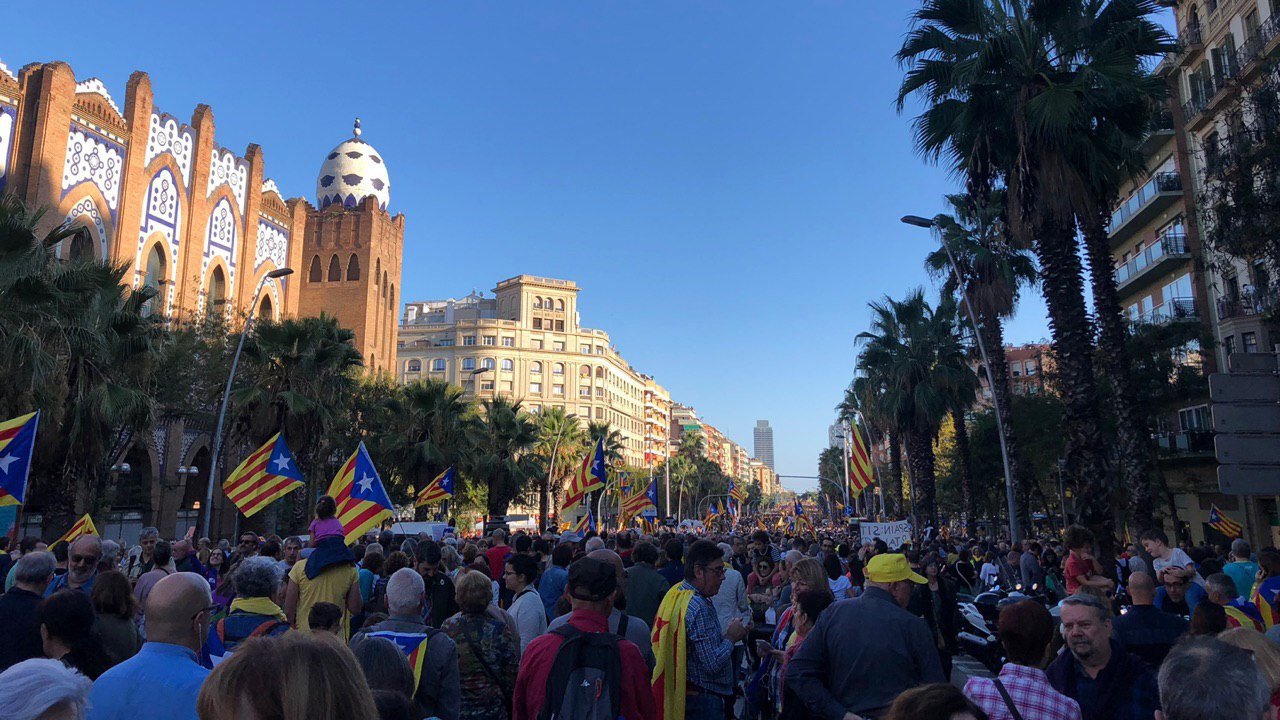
(362, 501)
(17, 443)
(268, 474)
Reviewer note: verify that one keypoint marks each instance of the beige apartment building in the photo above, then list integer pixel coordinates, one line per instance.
(526, 342)
(733, 459)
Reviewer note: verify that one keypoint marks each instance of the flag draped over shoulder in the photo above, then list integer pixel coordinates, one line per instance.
(441, 488)
(17, 444)
(84, 526)
(591, 476)
(1264, 597)
(357, 490)
(267, 475)
(1219, 521)
(414, 646)
(860, 473)
(670, 649)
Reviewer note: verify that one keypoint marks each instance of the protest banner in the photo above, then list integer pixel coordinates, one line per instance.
(895, 533)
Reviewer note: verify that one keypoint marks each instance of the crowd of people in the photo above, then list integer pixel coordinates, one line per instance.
(632, 625)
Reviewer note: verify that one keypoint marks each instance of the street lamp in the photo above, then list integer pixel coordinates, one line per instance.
(1015, 533)
(226, 396)
(472, 377)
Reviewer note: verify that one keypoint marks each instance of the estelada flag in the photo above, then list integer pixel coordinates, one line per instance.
(1263, 597)
(357, 490)
(414, 646)
(1219, 521)
(860, 473)
(17, 444)
(641, 501)
(671, 651)
(83, 526)
(591, 476)
(441, 488)
(268, 474)
(585, 523)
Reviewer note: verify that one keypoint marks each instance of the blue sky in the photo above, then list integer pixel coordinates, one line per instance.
(723, 179)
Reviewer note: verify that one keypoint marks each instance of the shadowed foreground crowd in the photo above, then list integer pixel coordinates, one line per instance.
(633, 626)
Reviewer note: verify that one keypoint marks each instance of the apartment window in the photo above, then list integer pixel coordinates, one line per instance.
(1229, 344)
(535, 387)
(415, 366)
(537, 303)
(535, 409)
(486, 385)
(599, 349)
(437, 365)
(584, 392)
(584, 349)
(557, 346)
(584, 411)
(557, 389)
(599, 413)
(490, 340)
(508, 365)
(487, 363)
(508, 342)
(559, 326)
(468, 339)
(535, 367)
(536, 344)
(557, 369)
(1193, 418)
(599, 391)
(1249, 342)
(468, 363)
(537, 323)
(446, 342)
(599, 372)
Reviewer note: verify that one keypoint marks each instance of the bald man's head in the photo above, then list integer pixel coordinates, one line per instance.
(176, 610)
(619, 567)
(1142, 589)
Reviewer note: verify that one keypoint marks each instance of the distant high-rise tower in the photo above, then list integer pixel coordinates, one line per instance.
(764, 443)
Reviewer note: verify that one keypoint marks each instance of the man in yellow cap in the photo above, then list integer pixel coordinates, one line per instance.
(864, 652)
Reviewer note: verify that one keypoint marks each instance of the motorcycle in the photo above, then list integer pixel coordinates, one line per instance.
(979, 637)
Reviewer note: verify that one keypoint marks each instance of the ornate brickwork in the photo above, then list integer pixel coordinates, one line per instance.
(227, 169)
(167, 135)
(93, 158)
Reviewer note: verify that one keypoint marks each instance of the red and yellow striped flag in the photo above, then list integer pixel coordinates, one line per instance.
(83, 526)
(268, 474)
(1219, 521)
(861, 475)
(357, 490)
(670, 649)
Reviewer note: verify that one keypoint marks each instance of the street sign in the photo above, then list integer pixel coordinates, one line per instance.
(1246, 423)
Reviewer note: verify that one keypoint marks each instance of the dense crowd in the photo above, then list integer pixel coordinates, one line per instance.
(630, 625)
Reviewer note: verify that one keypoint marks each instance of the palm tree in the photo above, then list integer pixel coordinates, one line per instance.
(431, 418)
(911, 346)
(1010, 87)
(503, 439)
(559, 437)
(960, 385)
(995, 267)
(613, 444)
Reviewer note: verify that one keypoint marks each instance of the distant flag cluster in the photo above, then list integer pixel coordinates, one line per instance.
(861, 476)
(17, 444)
(268, 474)
(441, 488)
(361, 499)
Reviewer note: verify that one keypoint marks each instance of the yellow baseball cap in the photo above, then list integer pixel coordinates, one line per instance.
(891, 567)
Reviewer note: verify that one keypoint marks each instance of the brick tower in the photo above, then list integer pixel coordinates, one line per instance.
(352, 251)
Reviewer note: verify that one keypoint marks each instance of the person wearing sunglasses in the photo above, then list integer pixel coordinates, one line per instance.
(82, 566)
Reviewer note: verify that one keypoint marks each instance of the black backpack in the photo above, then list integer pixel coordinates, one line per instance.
(585, 682)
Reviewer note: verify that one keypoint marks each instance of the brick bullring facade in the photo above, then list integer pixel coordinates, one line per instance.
(203, 225)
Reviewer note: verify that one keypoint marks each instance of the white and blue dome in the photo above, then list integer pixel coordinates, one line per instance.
(353, 171)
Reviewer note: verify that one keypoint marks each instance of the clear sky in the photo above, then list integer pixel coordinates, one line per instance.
(722, 178)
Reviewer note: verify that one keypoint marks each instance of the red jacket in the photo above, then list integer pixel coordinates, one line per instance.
(535, 664)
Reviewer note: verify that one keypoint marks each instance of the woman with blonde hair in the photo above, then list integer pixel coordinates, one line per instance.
(297, 676)
(1265, 655)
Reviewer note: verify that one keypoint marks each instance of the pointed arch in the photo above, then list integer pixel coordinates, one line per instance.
(335, 269)
(266, 311)
(156, 275)
(316, 273)
(353, 268)
(216, 292)
(377, 270)
(391, 300)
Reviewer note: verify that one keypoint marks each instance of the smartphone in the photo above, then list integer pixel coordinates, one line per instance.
(763, 646)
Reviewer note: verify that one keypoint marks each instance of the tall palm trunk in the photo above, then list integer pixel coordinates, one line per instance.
(894, 489)
(993, 334)
(920, 457)
(1133, 448)
(966, 470)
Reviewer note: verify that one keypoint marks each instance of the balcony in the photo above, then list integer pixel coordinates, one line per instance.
(1160, 131)
(1185, 443)
(1248, 304)
(1167, 251)
(1175, 310)
(1256, 45)
(1148, 201)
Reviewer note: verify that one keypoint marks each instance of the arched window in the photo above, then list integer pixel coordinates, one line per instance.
(437, 365)
(508, 365)
(316, 273)
(155, 277)
(487, 363)
(557, 369)
(81, 247)
(415, 366)
(265, 310)
(599, 372)
(537, 303)
(377, 270)
(391, 299)
(335, 269)
(353, 268)
(585, 371)
(535, 367)
(560, 305)
(216, 297)
(468, 363)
